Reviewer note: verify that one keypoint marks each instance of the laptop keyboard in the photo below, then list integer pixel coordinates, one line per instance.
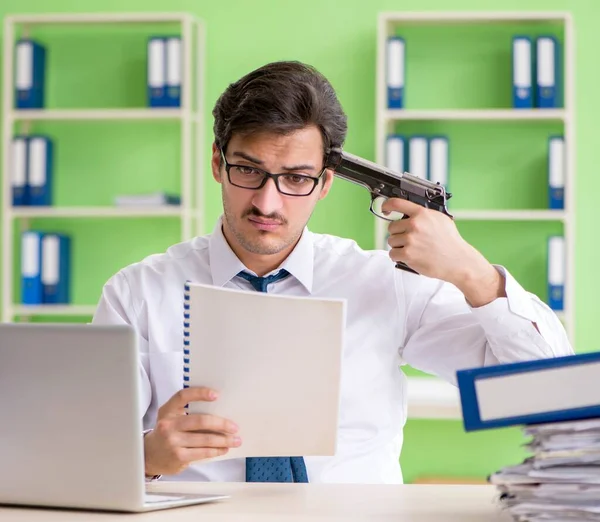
(152, 498)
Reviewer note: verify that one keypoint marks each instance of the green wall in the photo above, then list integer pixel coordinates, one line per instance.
(340, 39)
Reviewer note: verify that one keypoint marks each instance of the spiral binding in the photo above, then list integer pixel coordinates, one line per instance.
(186, 335)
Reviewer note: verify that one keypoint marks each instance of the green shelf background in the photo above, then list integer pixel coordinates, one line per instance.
(493, 165)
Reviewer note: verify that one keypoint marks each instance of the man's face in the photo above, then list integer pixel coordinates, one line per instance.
(264, 221)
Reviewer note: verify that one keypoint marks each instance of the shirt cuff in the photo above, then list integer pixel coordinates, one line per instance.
(498, 312)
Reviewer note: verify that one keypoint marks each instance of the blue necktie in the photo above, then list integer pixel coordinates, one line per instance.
(272, 469)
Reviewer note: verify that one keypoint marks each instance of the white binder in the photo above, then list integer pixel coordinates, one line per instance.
(37, 162)
(24, 66)
(395, 153)
(50, 259)
(31, 260)
(18, 169)
(156, 71)
(174, 62)
(546, 72)
(556, 272)
(522, 73)
(418, 156)
(556, 172)
(438, 160)
(30, 266)
(395, 72)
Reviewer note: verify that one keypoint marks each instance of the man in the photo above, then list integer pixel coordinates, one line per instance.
(273, 129)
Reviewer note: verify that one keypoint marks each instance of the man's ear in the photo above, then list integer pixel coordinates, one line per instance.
(328, 181)
(215, 163)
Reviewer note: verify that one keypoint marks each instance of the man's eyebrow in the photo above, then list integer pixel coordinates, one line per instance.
(256, 161)
(300, 167)
(247, 157)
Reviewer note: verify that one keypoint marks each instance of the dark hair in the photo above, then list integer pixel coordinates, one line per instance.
(280, 97)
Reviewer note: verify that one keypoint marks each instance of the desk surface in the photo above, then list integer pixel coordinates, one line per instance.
(299, 502)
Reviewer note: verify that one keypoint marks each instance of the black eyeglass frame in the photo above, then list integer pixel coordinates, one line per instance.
(275, 177)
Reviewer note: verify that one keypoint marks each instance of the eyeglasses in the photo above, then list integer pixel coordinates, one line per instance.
(289, 184)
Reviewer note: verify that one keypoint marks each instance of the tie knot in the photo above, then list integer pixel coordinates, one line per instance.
(261, 283)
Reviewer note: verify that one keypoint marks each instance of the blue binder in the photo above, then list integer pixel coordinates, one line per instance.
(556, 272)
(395, 69)
(31, 264)
(473, 397)
(522, 70)
(18, 168)
(40, 171)
(156, 77)
(30, 74)
(173, 76)
(556, 172)
(547, 76)
(56, 268)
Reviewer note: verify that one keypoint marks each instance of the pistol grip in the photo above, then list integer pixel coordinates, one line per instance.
(403, 266)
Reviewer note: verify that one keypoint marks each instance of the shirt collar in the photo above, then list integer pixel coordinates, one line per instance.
(225, 265)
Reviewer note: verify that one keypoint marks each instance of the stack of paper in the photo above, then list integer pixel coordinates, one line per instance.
(560, 480)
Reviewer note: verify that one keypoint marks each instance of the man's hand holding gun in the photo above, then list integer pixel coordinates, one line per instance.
(422, 234)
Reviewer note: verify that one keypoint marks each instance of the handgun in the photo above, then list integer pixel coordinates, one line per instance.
(384, 183)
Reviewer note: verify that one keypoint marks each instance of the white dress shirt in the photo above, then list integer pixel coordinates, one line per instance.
(393, 318)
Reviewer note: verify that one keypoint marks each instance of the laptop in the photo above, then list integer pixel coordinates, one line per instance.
(71, 430)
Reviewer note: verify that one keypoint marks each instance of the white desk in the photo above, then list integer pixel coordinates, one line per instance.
(303, 502)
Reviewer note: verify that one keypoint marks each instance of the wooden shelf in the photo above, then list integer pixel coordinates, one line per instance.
(452, 17)
(476, 115)
(100, 18)
(54, 310)
(158, 113)
(99, 212)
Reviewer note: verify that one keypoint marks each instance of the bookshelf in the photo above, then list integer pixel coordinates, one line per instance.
(188, 119)
(470, 52)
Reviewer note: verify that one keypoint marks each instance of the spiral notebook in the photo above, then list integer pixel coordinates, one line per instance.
(275, 361)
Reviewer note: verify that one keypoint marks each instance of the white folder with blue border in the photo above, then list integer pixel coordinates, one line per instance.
(522, 71)
(173, 71)
(545, 390)
(157, 72)
(18, 170)
(439, 160)
(31, 266)
(556, 272)
(41, 154)
(56, 268)
(395, 70)
(395, 153)
(30, 67)
(547, 75)
(556, 172)
(418, 156)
